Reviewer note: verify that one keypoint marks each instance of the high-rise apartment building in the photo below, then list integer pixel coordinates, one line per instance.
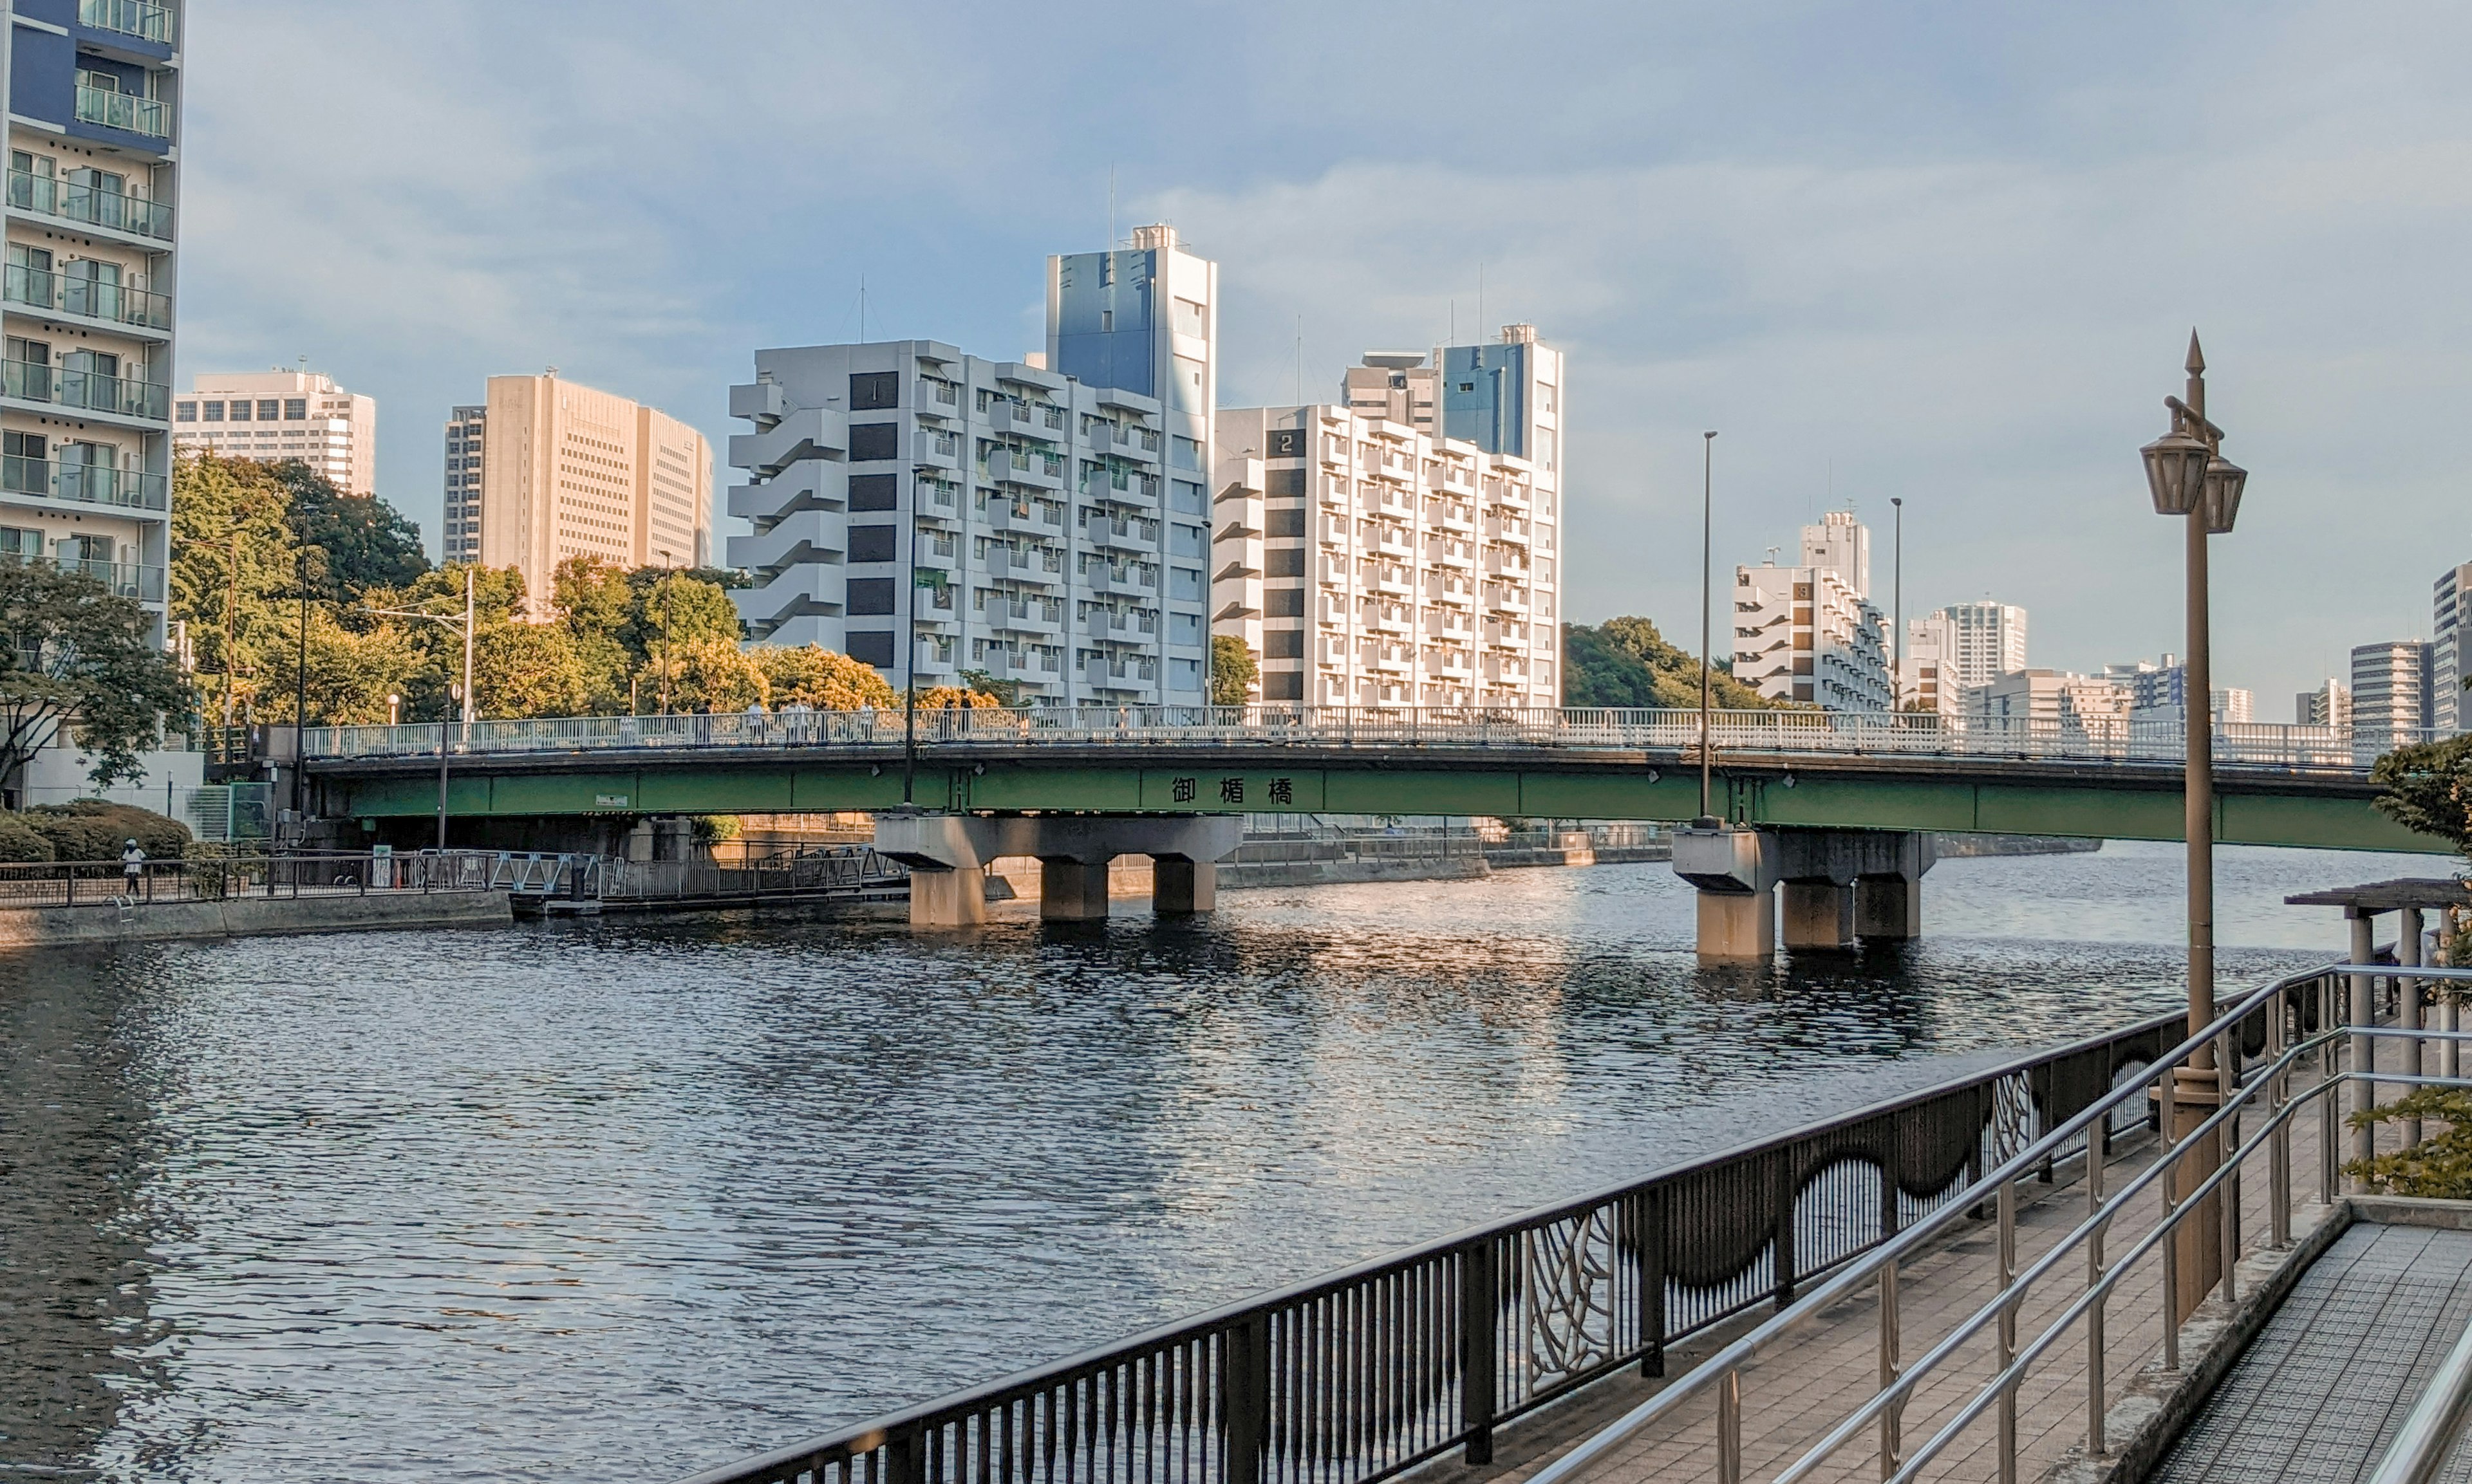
(1803, 634)
(2450, 657)
(1398, 386)
(2328, 705)
(1989, 639)
(915, 507)
(278, 415)
(1927, 678)
(2049, 704)
(467, 440)
(568, 471)
(2391, 703)
(1843, 545)
(1371, 563)
(2162, 689)
(93, 109)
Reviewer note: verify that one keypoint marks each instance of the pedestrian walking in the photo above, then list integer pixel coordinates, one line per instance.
(133, 864)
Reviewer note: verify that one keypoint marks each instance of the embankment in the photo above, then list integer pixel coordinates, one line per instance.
(47, 927)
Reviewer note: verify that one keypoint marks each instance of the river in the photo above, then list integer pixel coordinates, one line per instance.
(627, 1198)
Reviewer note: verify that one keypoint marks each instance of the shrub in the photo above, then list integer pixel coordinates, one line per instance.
(22, 841)
(2440, 1164)
(93, 830)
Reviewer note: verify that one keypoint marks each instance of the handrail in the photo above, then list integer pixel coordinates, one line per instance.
(2436, 1421)
(1867, 1268)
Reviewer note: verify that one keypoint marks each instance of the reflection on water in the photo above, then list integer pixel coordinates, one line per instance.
(632, 1197)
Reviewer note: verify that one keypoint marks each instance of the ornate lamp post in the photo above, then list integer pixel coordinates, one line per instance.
(2190, 479)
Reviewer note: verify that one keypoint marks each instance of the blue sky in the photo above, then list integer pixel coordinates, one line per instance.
(1947, 252)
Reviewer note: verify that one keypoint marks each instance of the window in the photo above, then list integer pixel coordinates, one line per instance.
(874, 440)
(874, 390)
(266, 408)
(1187, 496)
(1186, 453)
(1285, 522)
(184, 411)
(1283, 644)
(239, 410)
(214, 411)
(296, 409)
(870, 543)
(17, 542)
(1185, 584)
(870, 594)
(1187, 541)
(1287, 563)
(1284, 602)
(1287, 483)
(1184, 674)
(1284, 686)
(873, 648)
(874, 492)
(1185, 628)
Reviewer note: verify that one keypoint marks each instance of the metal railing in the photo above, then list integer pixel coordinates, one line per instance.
(2277, 1020)
(32, 381)
(2331, 750)
(2435, 1425)
(130, 17)
(125, 579)
(111, 882)
(146, 116)
(85, 483)
(76, 201)
(1362, 1374)
(832, 868)
(95, 298)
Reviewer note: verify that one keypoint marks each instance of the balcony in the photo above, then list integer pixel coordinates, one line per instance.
(936, 450)
(70, 202)
(125, 579)
(1020, 466)
(58, 293)
(939, 396)
(130, 17)
(84, 484)
(137, 115)
(119, 395)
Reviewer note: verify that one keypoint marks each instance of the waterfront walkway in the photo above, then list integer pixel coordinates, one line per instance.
(1792, 1397)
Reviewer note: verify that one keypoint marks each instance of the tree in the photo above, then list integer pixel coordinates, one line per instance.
(824, 679)
(713, 676)
(2427, 788)
(233, 556)
(673, 608)
(590, 598)
(77, 653)
(368, 542)
(526, 669)
(2440, 1166)
(954, 697)
(1233, 670)
(351, 671)
(1626, 662)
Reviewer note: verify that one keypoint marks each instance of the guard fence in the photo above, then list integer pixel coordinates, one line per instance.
(2316, 748)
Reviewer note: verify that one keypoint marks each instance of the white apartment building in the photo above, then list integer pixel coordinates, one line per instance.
(1369, 563)
(276, 415)
(2450, 657)
(921, 509)
(1926, 671)
(568, 471)
(2053, 704)
(1990, 640)
(1809, 633)
(2328, 705)
(2391, 703)
(93, 109)
(2157, 691)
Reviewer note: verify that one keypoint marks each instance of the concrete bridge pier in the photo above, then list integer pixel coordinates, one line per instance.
(1073, 852)
(1836, 885)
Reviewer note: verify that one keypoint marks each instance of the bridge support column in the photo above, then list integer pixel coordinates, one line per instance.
(952, 898)
(1180, 888)
(1736, 873)
(1072, 889)
(1738, 926)
(1887, 909)
(1819, 914)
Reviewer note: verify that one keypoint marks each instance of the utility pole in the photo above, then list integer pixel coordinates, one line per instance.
(301, 698)
(1897, 619)
(1707, 819)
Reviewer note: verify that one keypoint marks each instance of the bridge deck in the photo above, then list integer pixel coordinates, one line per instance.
(1791, 1399)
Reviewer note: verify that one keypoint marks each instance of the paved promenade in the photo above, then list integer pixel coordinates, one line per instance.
(1792, 1397)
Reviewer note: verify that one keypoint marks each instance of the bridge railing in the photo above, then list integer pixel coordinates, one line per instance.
(2237, 744)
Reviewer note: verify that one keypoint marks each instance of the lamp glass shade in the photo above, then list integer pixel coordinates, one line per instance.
(2175, 471)
(2225, 480)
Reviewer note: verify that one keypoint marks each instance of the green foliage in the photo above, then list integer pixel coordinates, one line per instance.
(2440, 1164)
(674, 609)
(74, 653)
(824, 679)
(1626, 662)
(526, 669)
(710, 828)
(1008, 693)
(1233, 670)
(21, 841)
(93, 830)
(2427, 788)
(714, 676)
(367, 542)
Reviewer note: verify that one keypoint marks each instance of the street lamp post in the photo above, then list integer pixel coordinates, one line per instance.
(1707, 819)
(2190, 479)
(1897, 612)
(461, 694)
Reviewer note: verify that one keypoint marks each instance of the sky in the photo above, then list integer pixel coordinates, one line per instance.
(1949, 253)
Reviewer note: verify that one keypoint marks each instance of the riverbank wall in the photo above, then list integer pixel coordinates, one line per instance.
(1953, 847)
(52, 926)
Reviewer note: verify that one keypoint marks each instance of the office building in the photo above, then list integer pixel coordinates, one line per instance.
(2450, 649)
(568, 471)
(1370, 563)
(2391, 703)
(1989, 641)
(2048, 704)
(466, 439)
(275, 416)
(921, 509)
(2328, 705)
(1808, 632)
(93, 107)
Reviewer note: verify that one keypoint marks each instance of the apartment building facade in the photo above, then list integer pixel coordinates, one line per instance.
(1988, 638)
(276, 415)
(2054, 704)
(2328, 705)
(2391, 700)
(567, 470)
(2450, 649)
(931, 513)
(93, 107)
(1809, 632)
(1926, 670)
(467, 446)
(1369, 563)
